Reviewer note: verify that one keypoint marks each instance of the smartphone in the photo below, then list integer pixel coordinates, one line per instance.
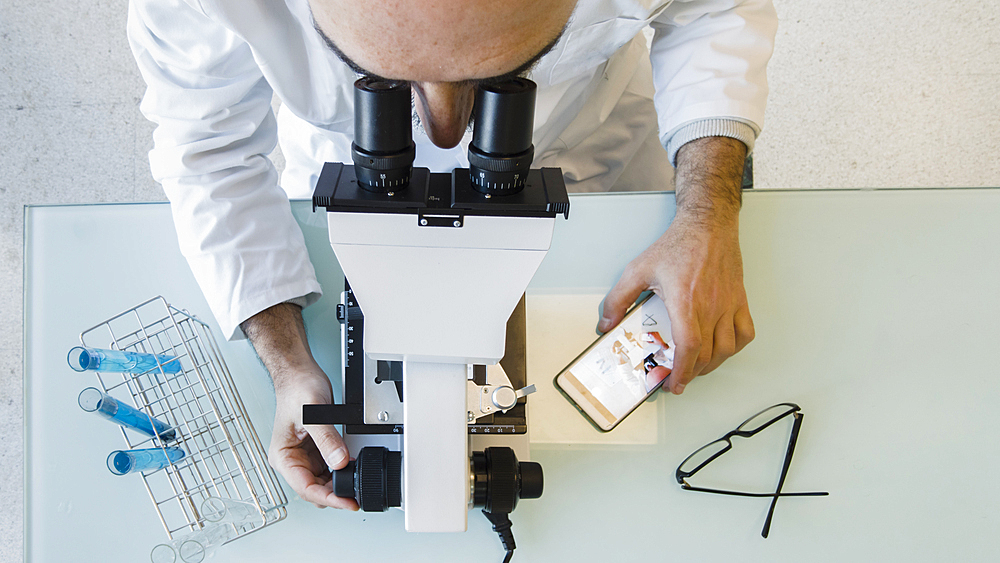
(611, 378)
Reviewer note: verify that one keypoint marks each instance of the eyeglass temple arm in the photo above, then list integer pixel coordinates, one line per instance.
(688, 487)
(784, 471)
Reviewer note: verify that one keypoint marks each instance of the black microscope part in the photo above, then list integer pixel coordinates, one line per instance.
(343, 481)
(499, 480)
(437, 195)
(383, 149)
(504, 115)
(501, 151)
(501, 525)
(532, 481)
(498, 182)
(374, 479)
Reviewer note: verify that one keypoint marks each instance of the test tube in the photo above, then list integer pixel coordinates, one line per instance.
(194, 547)
(217, 509)
(121, 462)
(93, 400)
(97, 359)
(163, 553)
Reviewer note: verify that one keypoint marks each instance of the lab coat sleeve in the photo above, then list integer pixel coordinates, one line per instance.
(709, 65)
(214, 128)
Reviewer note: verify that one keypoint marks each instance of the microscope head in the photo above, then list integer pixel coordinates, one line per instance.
(477, 238)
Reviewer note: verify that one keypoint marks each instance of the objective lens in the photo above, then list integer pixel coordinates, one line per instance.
(501, 151)
(383, 149)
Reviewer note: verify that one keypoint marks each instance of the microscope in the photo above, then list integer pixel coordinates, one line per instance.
(436, 265)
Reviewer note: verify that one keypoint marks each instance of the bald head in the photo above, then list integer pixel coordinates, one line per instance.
(442, 47)
(441, 40)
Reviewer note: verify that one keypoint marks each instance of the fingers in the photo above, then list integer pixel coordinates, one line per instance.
(304, 456)
(330, 445)
(732, 334)
(300, 474)
(723, 345)
(687, 347)
(702, 355)
(621, 297)
(744, 327)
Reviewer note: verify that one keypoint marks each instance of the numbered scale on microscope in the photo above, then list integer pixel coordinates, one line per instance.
(482, 182)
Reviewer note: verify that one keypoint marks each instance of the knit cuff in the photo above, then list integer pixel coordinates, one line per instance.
(714, 127)
(303, 301)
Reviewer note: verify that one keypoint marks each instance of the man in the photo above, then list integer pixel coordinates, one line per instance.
(212, 66)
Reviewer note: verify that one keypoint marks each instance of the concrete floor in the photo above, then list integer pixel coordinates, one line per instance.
(863, 95)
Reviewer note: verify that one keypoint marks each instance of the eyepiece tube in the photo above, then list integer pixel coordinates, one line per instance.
(501, 151)
(383, 149)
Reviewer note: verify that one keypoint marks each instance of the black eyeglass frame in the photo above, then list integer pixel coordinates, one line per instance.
(793, 410)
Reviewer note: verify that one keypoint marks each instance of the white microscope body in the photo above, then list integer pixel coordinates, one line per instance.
(436, 264)
(437, 299)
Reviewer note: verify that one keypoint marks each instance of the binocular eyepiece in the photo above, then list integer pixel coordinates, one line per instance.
(499, 156)
(501, 151)
(383, 149)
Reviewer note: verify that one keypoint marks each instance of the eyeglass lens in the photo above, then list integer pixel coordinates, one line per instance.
(703, 456)
(765, 417)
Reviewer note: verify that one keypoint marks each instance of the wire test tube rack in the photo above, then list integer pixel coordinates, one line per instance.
(225, 457)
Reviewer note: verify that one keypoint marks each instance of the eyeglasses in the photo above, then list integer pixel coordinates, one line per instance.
(751, 426)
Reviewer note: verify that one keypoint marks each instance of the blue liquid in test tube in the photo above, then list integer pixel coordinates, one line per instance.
(121, 462)
(93, 400)
(96, 359)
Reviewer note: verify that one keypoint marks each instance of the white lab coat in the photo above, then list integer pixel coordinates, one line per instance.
(211, 67)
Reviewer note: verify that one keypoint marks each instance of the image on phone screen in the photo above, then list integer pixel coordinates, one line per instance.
(614, 375)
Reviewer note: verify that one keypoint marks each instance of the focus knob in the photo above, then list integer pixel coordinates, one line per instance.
(375, 479)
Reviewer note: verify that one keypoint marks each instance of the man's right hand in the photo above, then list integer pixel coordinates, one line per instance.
(302, 455)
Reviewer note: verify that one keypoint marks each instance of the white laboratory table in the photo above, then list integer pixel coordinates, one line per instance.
(876, 311)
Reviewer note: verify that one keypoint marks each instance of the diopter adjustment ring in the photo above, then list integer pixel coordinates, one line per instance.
(502, 464)
(515, 163)
(372, 161)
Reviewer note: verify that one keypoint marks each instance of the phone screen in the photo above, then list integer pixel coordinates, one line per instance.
(612, 377)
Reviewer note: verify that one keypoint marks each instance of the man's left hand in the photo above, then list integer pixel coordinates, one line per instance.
(696, 267)
(698, 273)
